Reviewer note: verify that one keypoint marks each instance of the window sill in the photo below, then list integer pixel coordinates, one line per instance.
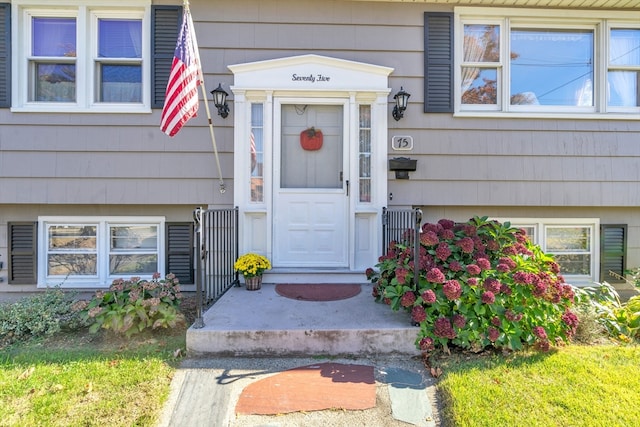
(569, 116)
(60, 108)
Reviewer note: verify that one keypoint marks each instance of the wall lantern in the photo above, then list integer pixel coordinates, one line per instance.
(402, 98)
(220, 101)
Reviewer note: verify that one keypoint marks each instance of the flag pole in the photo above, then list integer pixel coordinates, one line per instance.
(206, 103)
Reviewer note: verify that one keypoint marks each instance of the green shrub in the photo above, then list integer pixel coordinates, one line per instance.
(481, 283)
(131, 306)
(42, 314)
(621, 320)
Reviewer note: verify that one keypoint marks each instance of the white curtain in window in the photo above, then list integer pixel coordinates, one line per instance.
(474, 50)
(623, 83)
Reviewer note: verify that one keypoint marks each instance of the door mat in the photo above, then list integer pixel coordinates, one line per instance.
(310, 388)
(318, 291)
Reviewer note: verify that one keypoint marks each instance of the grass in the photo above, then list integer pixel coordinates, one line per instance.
(80, 379)
(572, 386)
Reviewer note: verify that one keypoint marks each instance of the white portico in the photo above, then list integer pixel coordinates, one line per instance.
(310, 168)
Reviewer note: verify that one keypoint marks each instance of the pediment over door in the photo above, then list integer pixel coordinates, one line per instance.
(311, 72)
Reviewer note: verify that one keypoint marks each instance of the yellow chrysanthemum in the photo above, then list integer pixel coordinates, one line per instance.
(252, 264)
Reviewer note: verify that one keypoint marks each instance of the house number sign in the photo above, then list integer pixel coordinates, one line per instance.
(402, 143)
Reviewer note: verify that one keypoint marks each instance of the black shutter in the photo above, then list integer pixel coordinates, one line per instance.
(613, 252)
(438, 62)
(22, 253)
(165, 26)
(179, 251)
(5, 55)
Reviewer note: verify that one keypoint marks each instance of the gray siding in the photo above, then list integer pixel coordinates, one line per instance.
(59, 164)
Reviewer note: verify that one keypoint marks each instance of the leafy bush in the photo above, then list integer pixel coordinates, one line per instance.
(131, 306)
(481, 283)
(621, 320)
(42, 314)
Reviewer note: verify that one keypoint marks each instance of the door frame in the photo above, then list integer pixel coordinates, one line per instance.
(352, 83)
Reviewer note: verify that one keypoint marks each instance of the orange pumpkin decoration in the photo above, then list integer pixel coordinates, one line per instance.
(311, 139)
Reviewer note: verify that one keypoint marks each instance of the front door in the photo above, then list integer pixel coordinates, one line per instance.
(311, 185)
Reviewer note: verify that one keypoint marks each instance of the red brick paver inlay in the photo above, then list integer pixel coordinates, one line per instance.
(310, 388)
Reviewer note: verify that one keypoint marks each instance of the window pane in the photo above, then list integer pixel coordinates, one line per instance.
(55, 83)
(127, 238)
(481, 43)
(365, 154)
(72, 264)
(625, 47)
(119, 38)
(72, 237)
(53, 37)
(132, 265)
(120, 83)
(256, 149)
(568, 239)
(624, 88)
(574, 264)
(479, 86)
(552, 67)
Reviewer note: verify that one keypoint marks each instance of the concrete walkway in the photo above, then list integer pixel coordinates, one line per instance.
(251, 335)
(204, 392)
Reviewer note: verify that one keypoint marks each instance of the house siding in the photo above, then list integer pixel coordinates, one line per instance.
(121, 164)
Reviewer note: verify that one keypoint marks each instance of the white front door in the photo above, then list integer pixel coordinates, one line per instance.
(311, 185)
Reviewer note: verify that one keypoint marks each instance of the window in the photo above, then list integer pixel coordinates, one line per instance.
(81, 58)
(572, 242)
(518, 61)
(364, 155)
(256, 148)
(86, 251)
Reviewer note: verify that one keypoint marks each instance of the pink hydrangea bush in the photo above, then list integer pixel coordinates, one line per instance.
(481, 283)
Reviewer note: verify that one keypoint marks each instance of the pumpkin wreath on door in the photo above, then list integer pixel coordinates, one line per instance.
(311, 139)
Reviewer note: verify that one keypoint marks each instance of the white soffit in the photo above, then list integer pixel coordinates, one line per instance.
(310, 72)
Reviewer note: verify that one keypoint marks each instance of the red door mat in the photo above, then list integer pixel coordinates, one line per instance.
(310, 388)
(318, 291)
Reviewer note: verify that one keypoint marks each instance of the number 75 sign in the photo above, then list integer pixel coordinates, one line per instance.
(402, 143)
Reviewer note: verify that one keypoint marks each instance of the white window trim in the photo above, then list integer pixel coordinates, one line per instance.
(86, 45)
(103, 279)
(601, 21)
(539, 225)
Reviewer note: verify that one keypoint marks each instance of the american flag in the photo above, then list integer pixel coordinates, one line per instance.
(254, 154)
(181, 99)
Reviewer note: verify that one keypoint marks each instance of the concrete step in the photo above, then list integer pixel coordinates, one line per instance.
(263, 323)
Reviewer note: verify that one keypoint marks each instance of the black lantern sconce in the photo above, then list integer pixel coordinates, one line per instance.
(220, 101)
(402, 99)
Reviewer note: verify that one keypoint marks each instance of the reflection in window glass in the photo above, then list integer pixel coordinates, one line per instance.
(624, 51)
(132, 264)
(256, 150)
(72, 250)
(552, 67)
(132, 237)
(55, 77)
(571, 247)
(365, 154)
(481, 57)
(120, 79)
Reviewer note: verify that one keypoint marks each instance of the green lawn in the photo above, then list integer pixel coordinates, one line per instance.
(86, 380)
(573, 386)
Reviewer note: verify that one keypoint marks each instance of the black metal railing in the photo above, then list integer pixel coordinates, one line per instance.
(403, 226)
(216, 235)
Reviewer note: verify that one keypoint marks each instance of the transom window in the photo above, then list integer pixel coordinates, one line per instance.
(82, 58)
(93, 252)
(532, 62)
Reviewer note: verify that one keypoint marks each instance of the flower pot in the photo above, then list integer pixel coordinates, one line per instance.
(253, 283)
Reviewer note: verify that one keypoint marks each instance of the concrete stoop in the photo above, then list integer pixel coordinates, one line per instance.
(263, 323)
